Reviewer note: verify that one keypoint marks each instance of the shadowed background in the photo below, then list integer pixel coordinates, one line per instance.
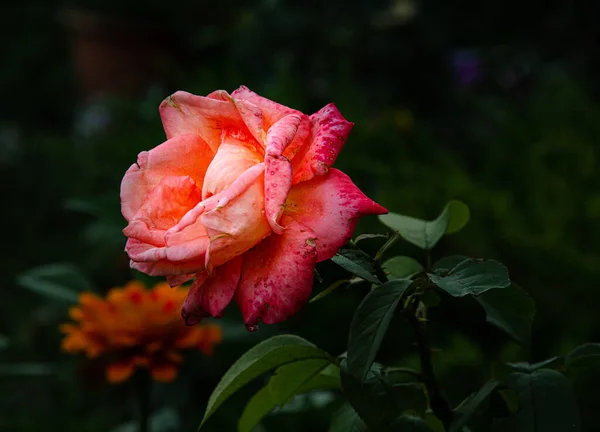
(494, 104)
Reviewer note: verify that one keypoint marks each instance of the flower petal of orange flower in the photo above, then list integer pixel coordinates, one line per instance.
(163, 372)
(120, 371)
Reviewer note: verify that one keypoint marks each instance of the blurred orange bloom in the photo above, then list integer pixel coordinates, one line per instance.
(136, 328)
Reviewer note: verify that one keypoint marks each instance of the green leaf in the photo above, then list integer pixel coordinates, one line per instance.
(310, 401)
(288, 381)
(470, 406)
(584, 355)
(370, 323)
(401, 267)
(434, 423)
(357, 262)
(267, 355)
(380, 398)
(408, 423)
(510, 310)
(345, 419)
(59, 281)
(329, 289)
(473, 277)
(525, 367)
(444, 265)
(425, 234)
(546, 403)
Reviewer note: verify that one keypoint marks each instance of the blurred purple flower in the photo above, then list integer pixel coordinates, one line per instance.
(467, 67)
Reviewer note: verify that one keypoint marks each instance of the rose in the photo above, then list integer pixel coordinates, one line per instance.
(241, 197)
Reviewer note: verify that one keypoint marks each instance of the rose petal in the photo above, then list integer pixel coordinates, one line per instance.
(185, 155)
(278, 169)
(154, 261)
(164, 207)
(330, 205)
(231, 160)
(237, 226)
(253, 119)
(281, 134)
(184, 113)
(191, 243)
(167, 268)
(328, 134)
(179, 279)
(278, 182)
(221, 199)
(210, 295)
(140, 251)
(271, 111)
(277, 275)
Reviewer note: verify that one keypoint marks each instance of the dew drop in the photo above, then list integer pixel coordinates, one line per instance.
(251, 327)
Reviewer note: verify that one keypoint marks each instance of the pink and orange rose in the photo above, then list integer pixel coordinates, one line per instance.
(241, 198)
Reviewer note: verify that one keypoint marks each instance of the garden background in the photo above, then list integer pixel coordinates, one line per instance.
(495, 104)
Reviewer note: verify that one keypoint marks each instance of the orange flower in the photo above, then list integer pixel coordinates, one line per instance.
(136, 328)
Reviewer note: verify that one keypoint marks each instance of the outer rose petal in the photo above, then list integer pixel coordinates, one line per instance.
(209, 295)
(167, 268)
(271, 111)
(156, 264)
(330, 205)
(166, 204)
(277, 275)
(185, 155)
(184, 113)
(179, 279)
(328, 135)
(163, 208)
(253, 118)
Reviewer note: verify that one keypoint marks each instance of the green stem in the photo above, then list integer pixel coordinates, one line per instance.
(439, 406)
(143, 389)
